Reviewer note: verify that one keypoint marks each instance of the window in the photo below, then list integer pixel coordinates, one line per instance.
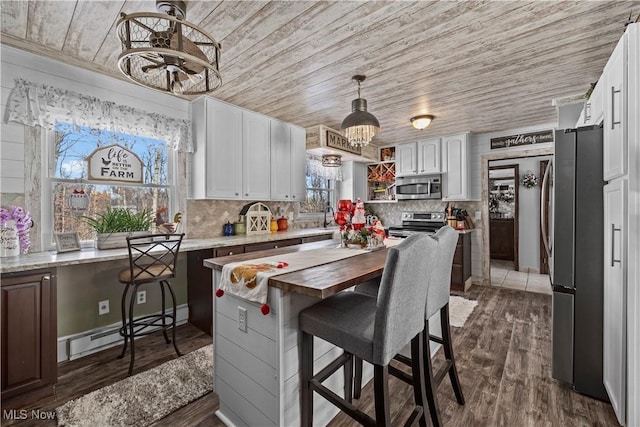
(320, 185)
(67, 185)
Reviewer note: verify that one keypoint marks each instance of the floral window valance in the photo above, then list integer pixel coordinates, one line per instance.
(41, 105)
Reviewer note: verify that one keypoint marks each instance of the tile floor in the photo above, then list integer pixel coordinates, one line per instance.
(503, 275)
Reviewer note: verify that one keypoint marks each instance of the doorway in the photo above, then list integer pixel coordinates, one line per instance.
(527, 275)
(503, 216)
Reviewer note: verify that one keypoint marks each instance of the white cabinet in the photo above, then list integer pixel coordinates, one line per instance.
(231, 159)
(593, 111)
(418, 158)
(615, 314)
(256, 166)
(354, 181)
(406, 159)
(287, 161)
(428, 156)
(455, 167)
(217, 157)
(615, 113)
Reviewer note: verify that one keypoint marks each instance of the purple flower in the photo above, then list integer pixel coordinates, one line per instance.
(23, 224)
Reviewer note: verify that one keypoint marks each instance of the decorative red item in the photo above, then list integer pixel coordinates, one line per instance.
(265, 309)
(282, 264)
(219, 292)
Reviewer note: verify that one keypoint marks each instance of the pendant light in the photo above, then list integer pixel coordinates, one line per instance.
(360, 126)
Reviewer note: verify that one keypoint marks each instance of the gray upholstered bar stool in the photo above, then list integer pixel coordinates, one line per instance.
(437, 300)
(152, 259)
(373, 329)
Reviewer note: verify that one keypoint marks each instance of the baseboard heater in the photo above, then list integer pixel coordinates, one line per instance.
(80, 345)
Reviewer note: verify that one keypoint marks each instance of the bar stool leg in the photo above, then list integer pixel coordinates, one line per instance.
(164, 318)
(357, 377)
(448, 353)
(123, 310)
(417, 371)
(381, 390)
(348, 376)
(306, 372)
(430, 384)
(132, 301)
(173, 324)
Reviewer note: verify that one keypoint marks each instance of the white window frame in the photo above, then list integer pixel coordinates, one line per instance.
(47, 180)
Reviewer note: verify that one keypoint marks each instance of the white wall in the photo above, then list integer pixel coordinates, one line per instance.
(528, 212)
(16, 63)
(481, 144)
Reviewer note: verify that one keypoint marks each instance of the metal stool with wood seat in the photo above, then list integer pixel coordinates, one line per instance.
(373, 329)
(437, 300)
(152, 259)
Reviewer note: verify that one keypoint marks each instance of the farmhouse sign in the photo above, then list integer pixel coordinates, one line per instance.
(115, 163)
(339, 142)
(522, 139)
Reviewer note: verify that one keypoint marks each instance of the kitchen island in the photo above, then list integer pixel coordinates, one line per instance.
(256, 373)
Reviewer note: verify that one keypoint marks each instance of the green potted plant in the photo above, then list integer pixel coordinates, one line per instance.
(116, 224)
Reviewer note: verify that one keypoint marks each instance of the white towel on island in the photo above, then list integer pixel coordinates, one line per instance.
(249, 279)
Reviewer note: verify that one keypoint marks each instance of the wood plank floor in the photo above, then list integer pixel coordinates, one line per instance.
(502, 354)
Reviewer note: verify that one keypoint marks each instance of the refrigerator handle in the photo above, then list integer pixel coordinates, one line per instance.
(545, 196)
(613, 244)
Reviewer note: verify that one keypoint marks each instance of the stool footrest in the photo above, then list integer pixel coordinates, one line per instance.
(436, 339)
(401, 375)
(342, 404)
(442, 371)
(142, 323)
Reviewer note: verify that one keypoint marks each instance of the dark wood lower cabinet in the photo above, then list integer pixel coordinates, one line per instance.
(461, 268)
(29, 332)
(200, 280)
(501, 239)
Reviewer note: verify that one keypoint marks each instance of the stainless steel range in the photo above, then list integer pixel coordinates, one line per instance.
(418, 222)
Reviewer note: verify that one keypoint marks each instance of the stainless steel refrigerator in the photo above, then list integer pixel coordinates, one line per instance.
(578, 273)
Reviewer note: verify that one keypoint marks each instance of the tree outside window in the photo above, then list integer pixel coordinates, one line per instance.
(68, 172)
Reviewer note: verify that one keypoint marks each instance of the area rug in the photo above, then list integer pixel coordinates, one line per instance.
(459, 310)
(146, 397)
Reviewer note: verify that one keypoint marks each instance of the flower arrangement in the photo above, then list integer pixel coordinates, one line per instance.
(529, 180)
(23, 224)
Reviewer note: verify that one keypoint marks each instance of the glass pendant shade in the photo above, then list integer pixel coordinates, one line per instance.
(360, 126)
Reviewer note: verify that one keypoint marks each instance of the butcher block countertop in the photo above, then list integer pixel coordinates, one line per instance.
(49, 259)
(320, 281)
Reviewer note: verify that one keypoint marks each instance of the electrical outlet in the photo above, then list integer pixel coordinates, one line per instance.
(103, 307)
(478, 216)
(290, 216)
(141, 297)
(242, 319)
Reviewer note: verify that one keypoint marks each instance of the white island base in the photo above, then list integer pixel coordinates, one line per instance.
(256, 372)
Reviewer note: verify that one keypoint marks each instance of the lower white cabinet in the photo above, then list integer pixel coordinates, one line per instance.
(287, 161)
(455, 167)
(615, 313)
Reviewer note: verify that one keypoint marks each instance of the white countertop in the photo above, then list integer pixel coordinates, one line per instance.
(48, 259)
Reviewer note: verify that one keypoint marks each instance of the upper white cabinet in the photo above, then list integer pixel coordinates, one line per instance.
(256, 156)
(287, 161)
(429, 156)
(406, 159)
(455, 170)
(217, 158)
(593, 111)
(615, 112)
(418, 158)
(231, 156)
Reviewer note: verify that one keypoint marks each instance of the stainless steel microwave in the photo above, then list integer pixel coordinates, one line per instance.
(419, 187)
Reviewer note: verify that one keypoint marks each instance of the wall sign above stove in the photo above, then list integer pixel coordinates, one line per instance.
(522, 139)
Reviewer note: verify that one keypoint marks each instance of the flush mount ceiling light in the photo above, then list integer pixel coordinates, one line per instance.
(331, 160)
(162, 51)
(422, 121)
(360, 126)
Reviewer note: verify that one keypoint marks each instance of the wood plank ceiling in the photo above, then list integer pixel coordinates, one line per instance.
(476, 66)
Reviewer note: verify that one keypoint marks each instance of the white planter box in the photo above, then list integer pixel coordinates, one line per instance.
(117, 240)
